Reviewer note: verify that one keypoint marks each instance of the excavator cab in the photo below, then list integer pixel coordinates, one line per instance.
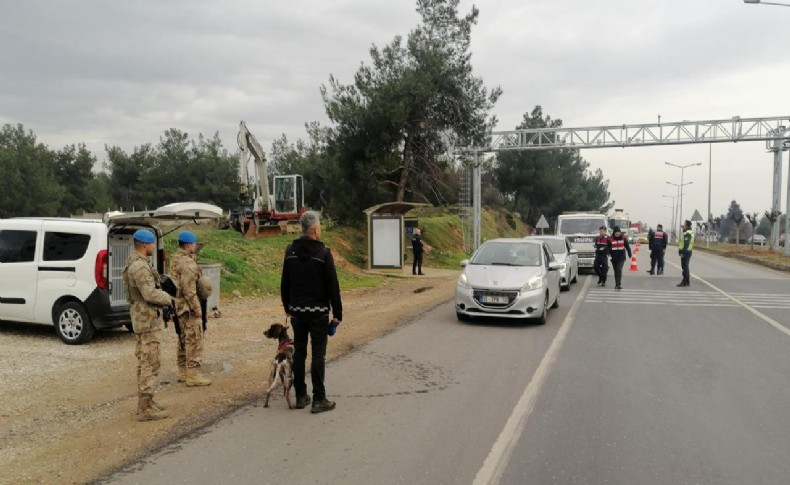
(288, 194)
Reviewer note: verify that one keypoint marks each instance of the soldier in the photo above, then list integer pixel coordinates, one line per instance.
(146, 300)
(186, 273)
(657, 242)
(618, 247)
(684, 250)
(601, 265)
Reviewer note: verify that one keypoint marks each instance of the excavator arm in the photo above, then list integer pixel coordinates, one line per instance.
(248, 145)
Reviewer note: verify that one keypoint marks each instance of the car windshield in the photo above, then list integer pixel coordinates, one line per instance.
(508, 254)
(581, 226)
(557, 245)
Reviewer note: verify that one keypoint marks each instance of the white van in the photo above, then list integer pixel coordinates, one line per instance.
(68, 272)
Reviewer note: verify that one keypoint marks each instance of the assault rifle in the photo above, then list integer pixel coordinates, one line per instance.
(169, 312)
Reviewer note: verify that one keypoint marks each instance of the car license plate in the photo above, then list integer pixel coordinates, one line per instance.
(495, 299)
(585, 264)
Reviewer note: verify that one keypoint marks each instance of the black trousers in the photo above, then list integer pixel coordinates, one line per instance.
(416, 266)
(601, 266)
(657, 259)
(316, 328)
(685, 258)
(617, 264)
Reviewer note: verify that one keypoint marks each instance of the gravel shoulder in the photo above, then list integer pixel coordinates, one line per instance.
(67, 412)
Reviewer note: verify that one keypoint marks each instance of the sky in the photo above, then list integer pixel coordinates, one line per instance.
(121, 73)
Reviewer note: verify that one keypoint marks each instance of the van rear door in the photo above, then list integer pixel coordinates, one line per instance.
(20, 251)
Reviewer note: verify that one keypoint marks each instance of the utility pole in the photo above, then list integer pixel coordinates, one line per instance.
(777, 195)
(710, 178)
(476, 203)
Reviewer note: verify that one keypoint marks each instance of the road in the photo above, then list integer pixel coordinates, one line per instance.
(652, 385)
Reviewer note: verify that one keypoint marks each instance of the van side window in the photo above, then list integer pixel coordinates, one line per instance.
(17, 246)
(65, 246)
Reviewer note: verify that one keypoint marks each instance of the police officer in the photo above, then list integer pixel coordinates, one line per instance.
(186, 273)
(146, 298)
(684, 250)
(601, 264)
(657, 242)
(618, 247)
(417, 248)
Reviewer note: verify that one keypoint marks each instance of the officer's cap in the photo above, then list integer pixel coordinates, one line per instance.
(602, 228)
(187, 237)
(144, 236)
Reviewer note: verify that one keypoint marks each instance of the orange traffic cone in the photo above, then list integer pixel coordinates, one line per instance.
(637, 247)
(633, 264)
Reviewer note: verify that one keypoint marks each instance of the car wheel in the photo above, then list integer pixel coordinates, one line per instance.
(556, 303)
(461, 317)
(541, 320)
(575, 277)
(72, 324)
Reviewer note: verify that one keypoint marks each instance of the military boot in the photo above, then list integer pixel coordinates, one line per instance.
(195, 379)
(156, 405)
(146, 411)
(182, 374)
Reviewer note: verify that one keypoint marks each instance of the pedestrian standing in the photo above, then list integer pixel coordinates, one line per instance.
(618, 247)
(309, 290)
(146, 300)
(684, 250)
(418, 249)
(186, 273)
(657, 242)
(601, 264)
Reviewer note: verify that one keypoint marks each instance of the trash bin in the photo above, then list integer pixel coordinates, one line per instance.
(212, 272)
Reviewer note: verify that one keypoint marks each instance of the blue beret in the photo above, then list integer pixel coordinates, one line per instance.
(144, 236)
(187, 237)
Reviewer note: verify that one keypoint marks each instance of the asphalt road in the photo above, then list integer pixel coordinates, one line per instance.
(651, 384)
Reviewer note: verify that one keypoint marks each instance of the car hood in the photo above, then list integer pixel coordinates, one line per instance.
(500, 277)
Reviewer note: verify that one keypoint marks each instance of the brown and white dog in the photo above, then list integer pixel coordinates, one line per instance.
(282, 364)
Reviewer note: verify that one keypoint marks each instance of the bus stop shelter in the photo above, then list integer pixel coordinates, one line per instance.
(387, 234)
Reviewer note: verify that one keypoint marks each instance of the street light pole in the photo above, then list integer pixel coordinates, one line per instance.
(710, 214)
(680, 187)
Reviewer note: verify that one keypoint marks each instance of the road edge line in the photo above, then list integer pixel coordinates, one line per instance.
(499, 456)
(745, 306)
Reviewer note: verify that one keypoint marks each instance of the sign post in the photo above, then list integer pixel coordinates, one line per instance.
(542, 224)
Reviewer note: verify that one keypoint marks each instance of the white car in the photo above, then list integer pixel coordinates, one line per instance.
(509, 278)
(68, 272)
(565, 255)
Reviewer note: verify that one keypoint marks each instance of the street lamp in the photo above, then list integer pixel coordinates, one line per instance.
(672, 219)
(767, 3)
(680, 187)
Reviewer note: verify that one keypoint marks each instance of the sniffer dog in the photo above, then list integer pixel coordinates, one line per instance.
(282, 363)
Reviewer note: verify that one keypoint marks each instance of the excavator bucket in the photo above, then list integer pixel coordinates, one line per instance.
(263, 230)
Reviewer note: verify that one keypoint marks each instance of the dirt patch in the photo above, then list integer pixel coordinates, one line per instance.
(67, 412)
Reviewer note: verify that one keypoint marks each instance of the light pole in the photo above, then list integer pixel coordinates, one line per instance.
(680, 205)
(767, 3)
(672, 219)
(682, 172)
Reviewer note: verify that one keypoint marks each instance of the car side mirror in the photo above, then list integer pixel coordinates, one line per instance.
(554, 266)
(464, 262)
(573, 251)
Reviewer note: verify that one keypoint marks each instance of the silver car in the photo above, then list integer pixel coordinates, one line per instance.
(565, 255)
(509, 278)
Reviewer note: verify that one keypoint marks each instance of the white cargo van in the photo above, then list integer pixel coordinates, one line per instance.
(581, 229)
(68, 272)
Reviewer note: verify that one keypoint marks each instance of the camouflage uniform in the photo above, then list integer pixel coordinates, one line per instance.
(146, 299)
(186, 272)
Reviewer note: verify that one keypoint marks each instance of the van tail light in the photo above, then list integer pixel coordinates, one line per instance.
(101, 270)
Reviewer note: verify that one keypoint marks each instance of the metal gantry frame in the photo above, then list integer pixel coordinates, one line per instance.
(772, 130)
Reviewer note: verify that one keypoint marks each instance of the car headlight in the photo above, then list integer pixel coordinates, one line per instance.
(463, 283)
(533, 284)
(563, 267)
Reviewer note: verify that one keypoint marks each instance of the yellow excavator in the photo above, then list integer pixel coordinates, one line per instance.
(262, 213)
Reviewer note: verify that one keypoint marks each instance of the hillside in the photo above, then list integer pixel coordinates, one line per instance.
(252, 266)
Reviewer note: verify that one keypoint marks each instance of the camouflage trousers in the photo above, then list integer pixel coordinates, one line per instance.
(147, 352)
(190, 345)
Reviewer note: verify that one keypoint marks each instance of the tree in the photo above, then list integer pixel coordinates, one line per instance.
(74, 171)
(753, 217)
(735, 214)
(772, 217)
(548, 182)
(28, 182)
(417, 98)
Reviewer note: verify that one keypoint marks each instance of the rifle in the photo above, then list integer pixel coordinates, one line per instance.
(169, 312)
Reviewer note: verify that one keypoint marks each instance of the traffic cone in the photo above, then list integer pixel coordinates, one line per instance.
(636, 250)
(633, 264)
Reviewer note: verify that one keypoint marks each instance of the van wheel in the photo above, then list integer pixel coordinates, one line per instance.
(541, 320)
(73, 325)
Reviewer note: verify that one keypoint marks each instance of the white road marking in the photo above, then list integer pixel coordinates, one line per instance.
(494, 465)
(746, 306)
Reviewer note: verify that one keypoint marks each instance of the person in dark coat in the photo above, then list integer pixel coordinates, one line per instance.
(618, 247)
(418, 247)
(657, 242)
(309, 290)
(601, 264)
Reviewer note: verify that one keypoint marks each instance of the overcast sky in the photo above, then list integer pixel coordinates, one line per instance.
(120, 73)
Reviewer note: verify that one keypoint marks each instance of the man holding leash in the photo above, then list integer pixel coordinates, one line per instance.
(309, 289)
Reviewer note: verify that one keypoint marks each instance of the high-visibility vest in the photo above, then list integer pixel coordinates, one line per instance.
(689, 233)
(618, 244)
